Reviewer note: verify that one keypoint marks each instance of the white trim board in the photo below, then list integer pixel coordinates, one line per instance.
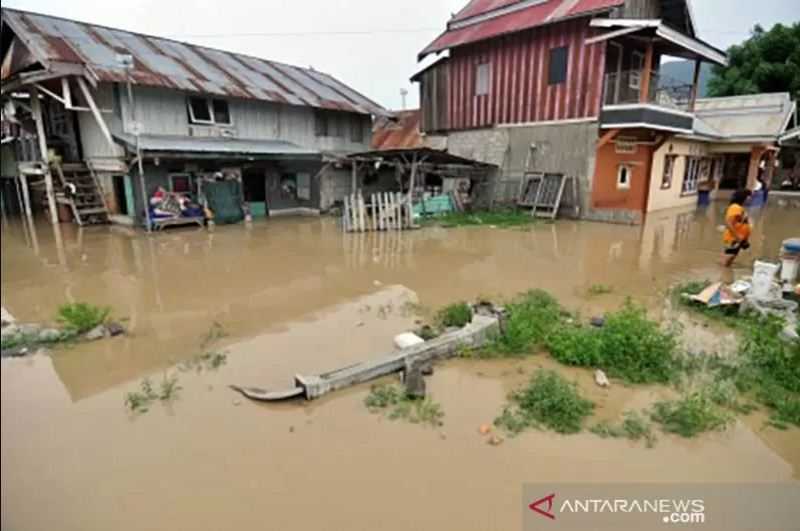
(632, 106)
(645, 125)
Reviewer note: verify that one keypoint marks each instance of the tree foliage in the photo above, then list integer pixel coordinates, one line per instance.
(768, 61)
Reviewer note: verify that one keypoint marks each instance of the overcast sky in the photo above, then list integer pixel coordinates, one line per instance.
(369, 44)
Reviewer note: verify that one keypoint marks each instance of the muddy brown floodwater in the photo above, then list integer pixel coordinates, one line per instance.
(296, 295)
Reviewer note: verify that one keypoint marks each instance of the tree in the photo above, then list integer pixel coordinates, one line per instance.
(768, 61)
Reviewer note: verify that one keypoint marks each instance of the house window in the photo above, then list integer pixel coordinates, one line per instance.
(320, 123)
(209, 112)
(222, 115)
(624, 177)
(669, 168)
(482, 78)
(691, 176)
(356, 129)
(558, 65)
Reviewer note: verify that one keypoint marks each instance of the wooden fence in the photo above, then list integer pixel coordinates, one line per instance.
(383, 211)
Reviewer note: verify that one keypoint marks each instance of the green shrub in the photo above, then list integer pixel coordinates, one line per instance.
(80, 317)
(548, 401)
(690, 415)
(458, 314)
(599, 289)
(629, 346)
(497, 218)
(531, 317)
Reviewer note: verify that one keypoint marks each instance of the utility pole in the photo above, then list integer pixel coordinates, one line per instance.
(403, 94)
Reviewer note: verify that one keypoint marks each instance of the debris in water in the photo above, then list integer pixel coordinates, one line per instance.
(495, 440)
(601, 379)
(115, 329)
(237, 402)
(484, 429)
(98, 332)
(407, 339)
(291, 429)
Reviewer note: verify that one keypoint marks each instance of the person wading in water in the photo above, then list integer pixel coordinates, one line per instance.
(738, 228)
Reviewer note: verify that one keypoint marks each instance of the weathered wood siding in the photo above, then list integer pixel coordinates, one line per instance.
(519, 91)
(639, 9)
(434, 87)
(163, 112)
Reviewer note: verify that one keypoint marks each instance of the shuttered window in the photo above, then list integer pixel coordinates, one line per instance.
(558, 65)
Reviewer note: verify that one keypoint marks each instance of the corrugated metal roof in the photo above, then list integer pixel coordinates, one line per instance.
(484, 19)
(178, 65)
(399, 132)
(747, 117)
(232, 146)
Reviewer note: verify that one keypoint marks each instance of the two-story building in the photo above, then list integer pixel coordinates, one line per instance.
(565, 86)
(139, 112)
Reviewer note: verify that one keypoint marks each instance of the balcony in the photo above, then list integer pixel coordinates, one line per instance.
(628, 104)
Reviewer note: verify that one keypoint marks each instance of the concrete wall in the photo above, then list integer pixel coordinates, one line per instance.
(162, 111)
(567, 148)
(672, 196)
(607, 194)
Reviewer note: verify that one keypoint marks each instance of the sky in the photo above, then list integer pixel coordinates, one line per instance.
(370, 45)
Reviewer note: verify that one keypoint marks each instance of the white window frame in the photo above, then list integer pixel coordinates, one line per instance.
(214, 114)
(690, 176)
(670, 161)
(210, 106)
(483, 78)
(629, 170)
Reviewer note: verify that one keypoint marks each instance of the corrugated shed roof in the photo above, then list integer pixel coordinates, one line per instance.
(399, 132)
(743, 117)
(178, 65)
(232, 146)
(484, 19)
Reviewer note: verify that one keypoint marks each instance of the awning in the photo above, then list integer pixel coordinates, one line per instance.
(684, 45)
(233, 147)
(428, 155)
(792, 137)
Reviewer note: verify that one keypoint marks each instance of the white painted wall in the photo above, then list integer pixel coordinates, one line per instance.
(672, 197)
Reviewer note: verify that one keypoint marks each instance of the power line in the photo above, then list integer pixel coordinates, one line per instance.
(300, 33)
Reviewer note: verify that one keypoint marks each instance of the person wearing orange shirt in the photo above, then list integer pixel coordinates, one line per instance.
(737, 227)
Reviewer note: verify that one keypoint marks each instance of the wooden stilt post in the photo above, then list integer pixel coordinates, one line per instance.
(354, 178)
(362, 212)
(374, 207)
(36, 108)
(26, 198)
(346, 214)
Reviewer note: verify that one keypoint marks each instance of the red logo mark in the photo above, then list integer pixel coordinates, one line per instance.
(544, 512)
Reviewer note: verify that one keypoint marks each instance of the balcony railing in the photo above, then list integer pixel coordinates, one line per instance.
(626, 88)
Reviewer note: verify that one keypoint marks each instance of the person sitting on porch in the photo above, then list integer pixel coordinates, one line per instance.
(738, 228)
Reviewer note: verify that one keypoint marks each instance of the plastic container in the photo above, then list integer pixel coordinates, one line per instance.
(407, 339)
(763, 276)
(792, 245)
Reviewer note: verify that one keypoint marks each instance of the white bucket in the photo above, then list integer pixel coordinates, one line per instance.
(763, 276)
(789, 269)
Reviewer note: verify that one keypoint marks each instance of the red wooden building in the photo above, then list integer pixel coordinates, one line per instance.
(547, 84)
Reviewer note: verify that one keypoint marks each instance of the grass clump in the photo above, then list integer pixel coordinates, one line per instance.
(210, 361)
(629, 346)
(531, 317)
(395, 404)
(599, 289)
(458, 315)
(80, 317)
(691, 415)
(497, 218)
(214, 334)
(634, 427)
(549, 401)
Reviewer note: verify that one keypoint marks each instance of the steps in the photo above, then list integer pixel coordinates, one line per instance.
(79, 188)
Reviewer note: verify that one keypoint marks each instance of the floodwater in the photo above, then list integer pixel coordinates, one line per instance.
(298, 296)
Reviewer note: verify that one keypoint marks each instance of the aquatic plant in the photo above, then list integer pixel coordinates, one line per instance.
(141, 400)
(214, 334)
(80, 317)
(599, 289)
(458, 314)
(489, 218)
(690, 415)
(548, 401)
(634, 426)
(395, 404)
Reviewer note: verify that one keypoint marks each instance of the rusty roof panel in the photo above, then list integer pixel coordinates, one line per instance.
(481, 20)
(400, 132)
(178, 65)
